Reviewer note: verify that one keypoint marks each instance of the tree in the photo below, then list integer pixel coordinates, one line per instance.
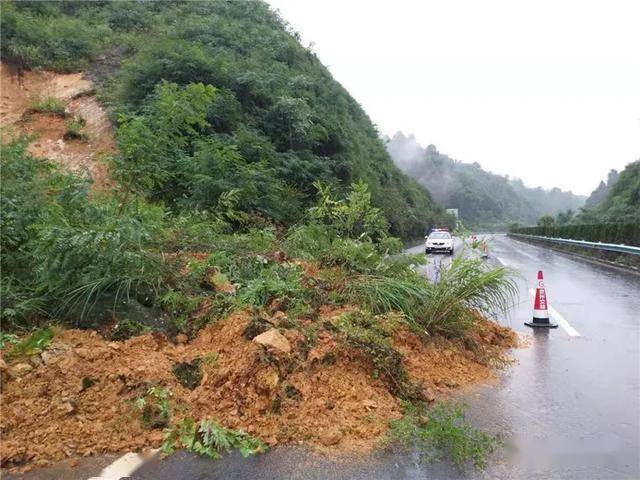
(546, 221)
(564, 217)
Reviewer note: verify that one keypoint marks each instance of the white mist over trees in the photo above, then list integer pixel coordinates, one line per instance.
(483, 199)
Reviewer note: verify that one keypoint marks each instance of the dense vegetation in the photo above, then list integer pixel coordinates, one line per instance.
(609, 203)
(626, 233)
(602, 190)
(621, 203)
(217, 96)
(93, 258)
(483, 199)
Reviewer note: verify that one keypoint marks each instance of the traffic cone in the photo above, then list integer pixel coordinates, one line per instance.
(540, 311)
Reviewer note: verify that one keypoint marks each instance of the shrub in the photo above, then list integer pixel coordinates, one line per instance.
(468, 286)
(154, 407)
(283, 282)
(30, 187)
(354, 217)
(91, 251)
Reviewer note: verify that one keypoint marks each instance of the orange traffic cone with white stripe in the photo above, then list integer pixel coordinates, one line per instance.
(540, 309)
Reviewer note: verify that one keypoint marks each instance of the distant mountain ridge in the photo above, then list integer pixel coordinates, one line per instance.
(482, 198)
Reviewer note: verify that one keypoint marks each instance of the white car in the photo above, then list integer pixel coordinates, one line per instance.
(439, 241)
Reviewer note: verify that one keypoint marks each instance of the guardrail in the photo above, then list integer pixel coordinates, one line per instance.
(612, 247)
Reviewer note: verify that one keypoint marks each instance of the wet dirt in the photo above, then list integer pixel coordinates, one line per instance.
(79, 401)
(19, 91)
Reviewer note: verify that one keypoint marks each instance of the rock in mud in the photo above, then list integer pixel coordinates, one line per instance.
(267, 381)
(19, 370)
(53, 353)
(429, 395)
(256, 326)
(274, 339)
(69, 407)
(330, 437)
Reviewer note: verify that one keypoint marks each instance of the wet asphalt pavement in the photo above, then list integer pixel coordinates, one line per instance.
(569, 408)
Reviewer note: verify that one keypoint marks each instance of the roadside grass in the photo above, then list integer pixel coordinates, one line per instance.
(442, 431)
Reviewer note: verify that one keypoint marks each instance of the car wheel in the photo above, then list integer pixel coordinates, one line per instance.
(427, 251)
(451, 252)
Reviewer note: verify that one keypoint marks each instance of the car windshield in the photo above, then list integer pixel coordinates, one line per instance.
(439, 235)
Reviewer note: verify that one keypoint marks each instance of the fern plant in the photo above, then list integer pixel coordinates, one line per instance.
(210, 439)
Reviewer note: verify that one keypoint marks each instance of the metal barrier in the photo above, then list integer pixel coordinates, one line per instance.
(612, 247)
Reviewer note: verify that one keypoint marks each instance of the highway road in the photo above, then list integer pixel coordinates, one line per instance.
(569, 408)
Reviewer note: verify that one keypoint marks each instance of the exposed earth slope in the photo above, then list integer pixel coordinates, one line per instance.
(21, 91)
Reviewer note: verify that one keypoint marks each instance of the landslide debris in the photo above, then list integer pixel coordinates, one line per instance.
(82, 399)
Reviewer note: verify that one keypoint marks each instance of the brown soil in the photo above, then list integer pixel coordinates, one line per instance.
(79, 401)
(18, 91)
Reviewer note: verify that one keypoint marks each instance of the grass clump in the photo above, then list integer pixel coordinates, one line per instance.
(48, 105)
(210, 439)
(36, 342)
(442, 431)
(283, 282)
(74, 129)
(382, 294)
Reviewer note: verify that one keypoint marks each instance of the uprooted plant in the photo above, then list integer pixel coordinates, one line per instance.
(154, 407)
(210, 439)
(371, 335)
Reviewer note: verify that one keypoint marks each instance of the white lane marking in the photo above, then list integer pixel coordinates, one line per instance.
(504, 264)
(124, 466)
(528, 255)
(572, 332)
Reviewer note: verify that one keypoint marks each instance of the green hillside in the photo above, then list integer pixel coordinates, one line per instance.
(622, 201)
(212, 96)
(484, 199)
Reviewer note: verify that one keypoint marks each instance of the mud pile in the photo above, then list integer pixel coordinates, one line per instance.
(77, 398)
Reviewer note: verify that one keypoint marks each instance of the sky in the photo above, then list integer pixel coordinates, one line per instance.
(545, 91)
